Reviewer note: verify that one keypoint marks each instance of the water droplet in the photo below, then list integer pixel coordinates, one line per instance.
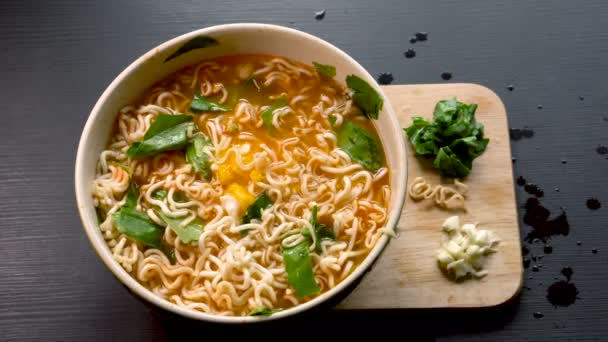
(510, 87)
(526, 262)
(413, 40)
(564, 161)
(446, 76)
(601, 150)
(556, 189)
(539, 106)
(320, 14)
(581, 98)
(385, 78)
(593, 204)
(538, 314)
(513, 159)
(535, 268)
(578, 243)
(410, 53)
(594, 251)
(548, 249)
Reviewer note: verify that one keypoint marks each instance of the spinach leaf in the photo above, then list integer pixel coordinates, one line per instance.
(472, 147)
(444, 111)
(167, 133)
(263, 312)
(202, 104)
(365, 97)
(423, 140)
(160, 194)
(132, 195)
(267, 114)
(188, 233)
(194, 43)
(454, 138)
(198, 153)
(298, 265)
(138, 226)
(325, 69)
(321, 231)
(360, 145)
(101, 215)
(254, 211)
(451, 164)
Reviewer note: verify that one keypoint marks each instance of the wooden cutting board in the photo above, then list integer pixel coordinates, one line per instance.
(406, 275)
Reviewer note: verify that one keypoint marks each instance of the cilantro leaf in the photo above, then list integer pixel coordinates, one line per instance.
(263, 312)
(365, 97)
(166, 133)
(254, 211)
(360, 145)
(325, 69)
(202, 104)
(267, 114)
(198, 153)
(298, 265)
(321, 231)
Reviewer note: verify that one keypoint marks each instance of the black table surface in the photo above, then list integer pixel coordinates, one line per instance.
(58, 56)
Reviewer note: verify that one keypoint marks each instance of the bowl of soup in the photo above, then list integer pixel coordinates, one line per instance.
(241, 173)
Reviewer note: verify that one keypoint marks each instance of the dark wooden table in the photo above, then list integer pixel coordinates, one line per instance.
(58, 56)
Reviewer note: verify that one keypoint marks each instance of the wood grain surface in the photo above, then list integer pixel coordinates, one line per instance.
(58, 56)
(407, 275)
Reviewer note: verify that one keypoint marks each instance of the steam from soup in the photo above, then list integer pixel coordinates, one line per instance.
(260, 187)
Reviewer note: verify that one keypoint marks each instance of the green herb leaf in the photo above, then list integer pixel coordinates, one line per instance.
(321, 231)
(194, 43)
(138, 226)
(160, 194)
(198, 153)
(202, 104)
(267, 114)
(325, 69)
(132, 195)
(332, 120)
(254, 211)
(365, 97)
(450, 163)
(298, 265)
(454, 138)
(167, 133)
(263, 312)
(360, 145)
(188, 233)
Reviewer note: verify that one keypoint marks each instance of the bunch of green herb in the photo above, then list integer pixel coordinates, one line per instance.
(454, 138)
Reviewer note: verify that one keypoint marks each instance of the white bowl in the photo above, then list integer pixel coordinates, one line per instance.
(233, 39)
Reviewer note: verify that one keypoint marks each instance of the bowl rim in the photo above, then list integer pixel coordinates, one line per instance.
(136, 288)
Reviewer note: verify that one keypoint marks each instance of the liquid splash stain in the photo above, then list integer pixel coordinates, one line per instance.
(520, 133)
(594, 204)
(563, 292)
(537, 217)
(385, 78)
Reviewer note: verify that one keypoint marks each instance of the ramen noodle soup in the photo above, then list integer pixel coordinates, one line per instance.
(244, 184)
